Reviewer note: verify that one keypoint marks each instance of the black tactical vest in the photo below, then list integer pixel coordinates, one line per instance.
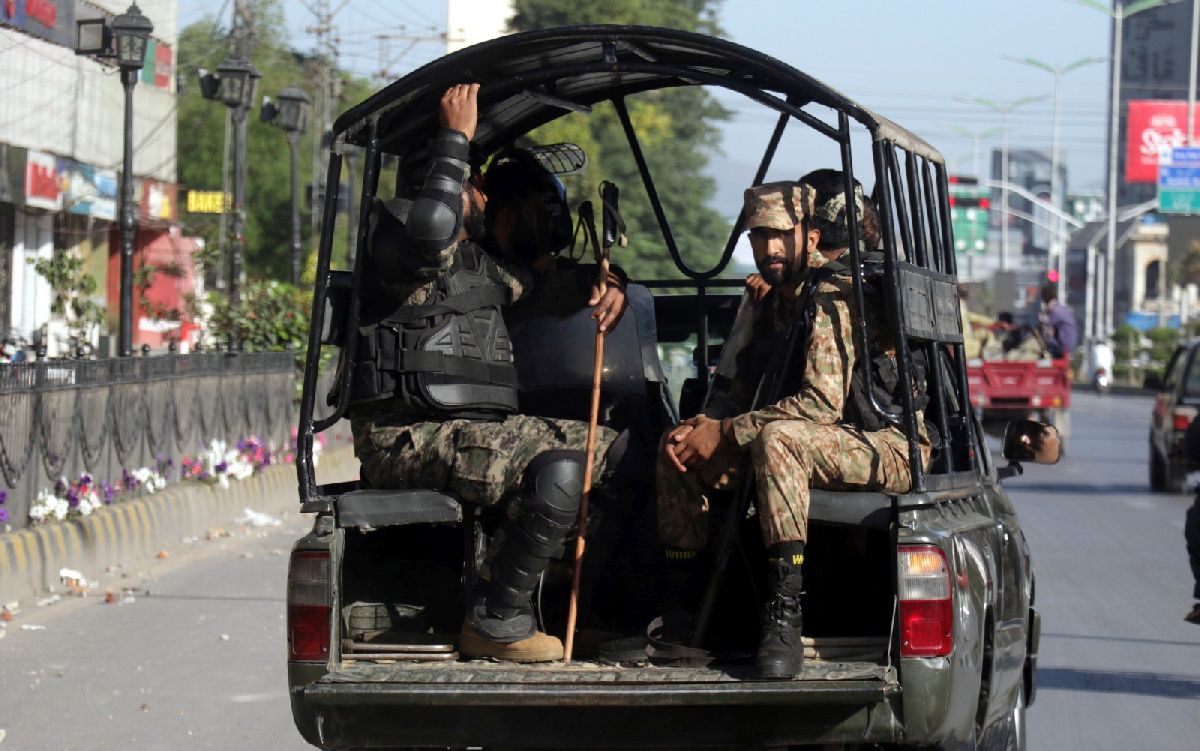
(449, 357)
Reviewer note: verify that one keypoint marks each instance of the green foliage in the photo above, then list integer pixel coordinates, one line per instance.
(1126, 342)
(1162, 343)
(72, 290)
(271, 316)
(202, 123)
(675, 127)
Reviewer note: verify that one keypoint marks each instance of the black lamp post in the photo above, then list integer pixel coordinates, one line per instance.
(234, 86)
(130, 31)
(290, 114)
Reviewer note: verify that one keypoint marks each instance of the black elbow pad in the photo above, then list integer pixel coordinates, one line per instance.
(436, 216)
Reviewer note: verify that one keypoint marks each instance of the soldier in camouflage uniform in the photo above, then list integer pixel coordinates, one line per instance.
(434, 387)
(806, 439)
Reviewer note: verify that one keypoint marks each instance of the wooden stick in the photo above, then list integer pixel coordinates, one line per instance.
(589, 467)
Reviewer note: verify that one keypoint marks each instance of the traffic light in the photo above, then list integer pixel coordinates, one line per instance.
(969, 204)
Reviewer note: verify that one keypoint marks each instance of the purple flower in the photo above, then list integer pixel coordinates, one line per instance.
(222, 468)
(72, 498)
(3, 496)
(85, 479)
(109, 492)
(203, 476)
(60, 487)
(242, 444)
(3, 516)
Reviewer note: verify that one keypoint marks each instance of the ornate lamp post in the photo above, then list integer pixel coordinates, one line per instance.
(290, 114)
(234, 85)
(128, 34)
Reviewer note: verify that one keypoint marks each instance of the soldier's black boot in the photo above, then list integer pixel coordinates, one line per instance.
(501, 623)
(780, 652)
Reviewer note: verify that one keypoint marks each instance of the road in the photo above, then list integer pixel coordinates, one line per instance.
(198, 662)
(1119, 667)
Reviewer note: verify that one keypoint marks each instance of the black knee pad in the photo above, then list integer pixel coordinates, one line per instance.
(551, 494)
(553, 485)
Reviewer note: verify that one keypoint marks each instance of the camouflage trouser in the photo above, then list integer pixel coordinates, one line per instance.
(481, 461)
(790, 457)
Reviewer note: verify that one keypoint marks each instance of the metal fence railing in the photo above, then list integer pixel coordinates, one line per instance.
(61, 418)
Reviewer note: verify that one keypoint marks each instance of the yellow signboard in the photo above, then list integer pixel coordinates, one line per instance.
(208, 202)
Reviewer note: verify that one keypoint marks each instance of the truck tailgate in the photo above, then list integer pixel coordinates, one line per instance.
(589, 705)
(487, 684)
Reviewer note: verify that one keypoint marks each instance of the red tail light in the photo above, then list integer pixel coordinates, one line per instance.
(1181, 420)
(926, 602)
(309, 606)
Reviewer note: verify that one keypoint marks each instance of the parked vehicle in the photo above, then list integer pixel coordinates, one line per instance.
(1175, 406)
(920, 625)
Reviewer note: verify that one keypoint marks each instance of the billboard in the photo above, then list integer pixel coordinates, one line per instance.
(52, 20)
(1154, 125)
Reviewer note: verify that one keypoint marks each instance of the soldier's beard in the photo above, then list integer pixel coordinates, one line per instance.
(775, 270)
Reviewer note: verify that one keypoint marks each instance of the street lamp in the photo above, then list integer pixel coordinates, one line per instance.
(290, 114)
(1003, 109)
(1060, 252)
(1118, 13)
(234, 85)
(125, 40)
(976, 137)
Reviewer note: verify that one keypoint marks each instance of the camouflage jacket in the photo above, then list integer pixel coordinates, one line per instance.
(821, 392)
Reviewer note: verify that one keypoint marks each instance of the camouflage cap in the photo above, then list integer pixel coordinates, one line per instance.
(833, 208)
(778, 205)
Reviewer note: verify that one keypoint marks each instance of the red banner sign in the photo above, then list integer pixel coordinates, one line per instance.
(1154, 125)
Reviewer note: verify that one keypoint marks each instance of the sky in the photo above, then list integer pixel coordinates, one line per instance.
(912, 61)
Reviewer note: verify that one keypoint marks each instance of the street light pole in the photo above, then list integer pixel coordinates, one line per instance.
(976, 137)
(1003, 109)
(1118, 13)
(125, 39)
(290, 114)
(128, 221)
(1059, 253)
(293, 145)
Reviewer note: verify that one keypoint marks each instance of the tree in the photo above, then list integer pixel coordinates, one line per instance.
(72, 289)
(677, 129)
(201, 123)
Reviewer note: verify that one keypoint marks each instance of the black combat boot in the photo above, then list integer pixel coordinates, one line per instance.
(780, 652)
(501, 622)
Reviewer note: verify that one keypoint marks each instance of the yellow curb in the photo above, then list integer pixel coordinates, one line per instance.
(31, 558)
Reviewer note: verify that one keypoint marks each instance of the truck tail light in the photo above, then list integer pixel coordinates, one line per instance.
(309, 606)
(926, 602)
(1182, 417)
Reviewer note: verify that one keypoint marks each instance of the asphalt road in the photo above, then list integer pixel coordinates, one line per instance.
(198, 662)
(1119, 667)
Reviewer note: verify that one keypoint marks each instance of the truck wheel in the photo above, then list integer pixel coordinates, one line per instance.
(1176, 477)
(1158, 472)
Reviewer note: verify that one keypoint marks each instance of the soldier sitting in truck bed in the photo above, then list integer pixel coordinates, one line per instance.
(822, 433)
(435, 392)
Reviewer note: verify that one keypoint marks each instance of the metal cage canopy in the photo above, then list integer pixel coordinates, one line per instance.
(533, 77)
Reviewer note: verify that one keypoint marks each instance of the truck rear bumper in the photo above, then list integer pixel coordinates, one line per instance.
(579, 709)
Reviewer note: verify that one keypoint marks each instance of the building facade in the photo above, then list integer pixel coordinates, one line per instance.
(61, 148)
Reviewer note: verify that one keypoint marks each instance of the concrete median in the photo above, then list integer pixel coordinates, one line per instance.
(130, 531)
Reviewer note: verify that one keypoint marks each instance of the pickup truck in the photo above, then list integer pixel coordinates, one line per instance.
(920, 628)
